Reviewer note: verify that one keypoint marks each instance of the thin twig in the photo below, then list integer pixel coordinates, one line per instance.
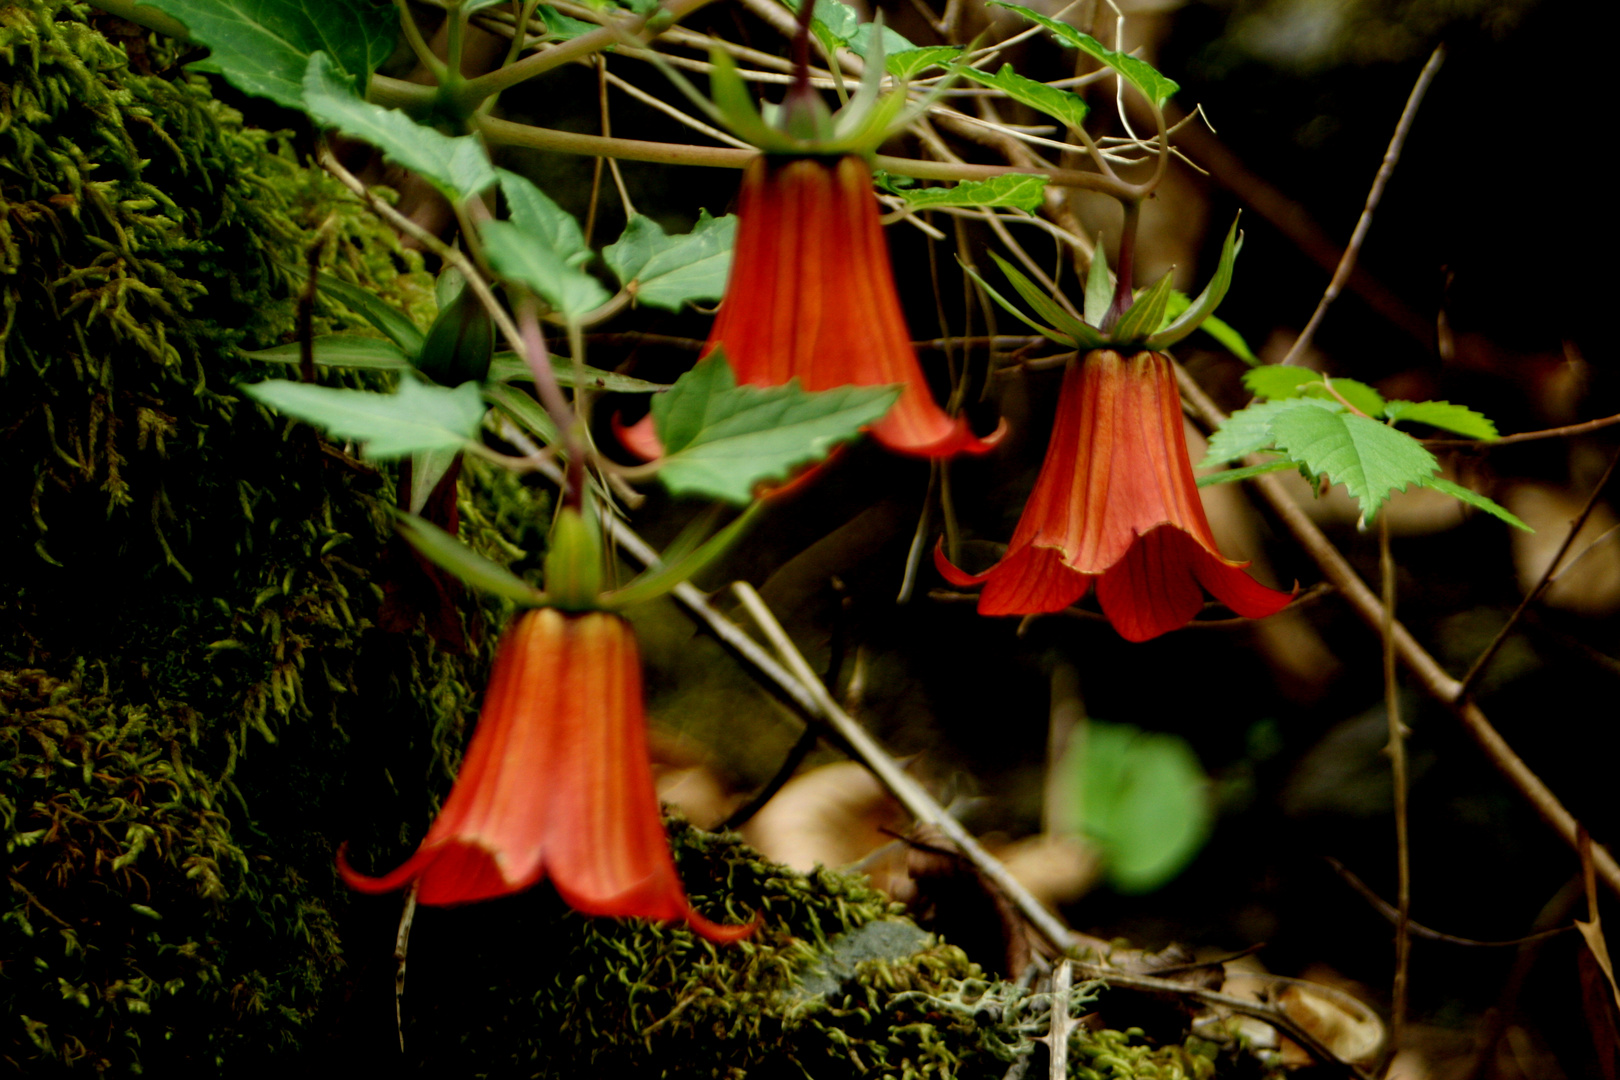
(402, 939)
(1397, 766)
(1390, 912)
(1347, 261)
(1430, 675)
(1529, 436)
(1575, 527)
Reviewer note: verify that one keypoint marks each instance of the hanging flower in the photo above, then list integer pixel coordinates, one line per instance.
(1116, 502)
(811, 296)
(556, 781)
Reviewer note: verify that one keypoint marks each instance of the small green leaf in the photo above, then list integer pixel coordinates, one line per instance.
(427, 469)
(458, 167)
(444, 550)
(339, 350)
(522, 408)
(1229, 476)
(389, 321)
(1142, 796)
(1145, 314)
(1279, 381)
(1195, 313)
(416, 417)
(894, 43)
(1062, 104)
(1362, 398)
(1475, 499)
(907, 64)
(1139, 73)
(533, 211)
(721, 439)
(1370, 459)
(1249, 430)
(527, 258)
(507, 367)
(1078, 332)
(1099, 285)
(670, 271)
(1442, 414)
(562, 27)
(1014, 189)
(840, 25)
(262, 47)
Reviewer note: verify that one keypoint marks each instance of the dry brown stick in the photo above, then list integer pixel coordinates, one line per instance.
(1397, 766)
(1430, 675)
(1347, 261)
(1390, 912)
(1530, 436)
(1575, 527)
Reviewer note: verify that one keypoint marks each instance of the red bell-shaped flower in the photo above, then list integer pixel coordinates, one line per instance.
(811, 296)
(1116, 501)
(556, 781)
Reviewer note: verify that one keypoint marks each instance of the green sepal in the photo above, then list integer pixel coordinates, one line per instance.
(736, 105)
(1099, 285)
(684, 565)
(1014, 311)
(1207, 301)
(1144, 315)
(574, 561)
(448, 553)
(1079, 333)
(460, 342)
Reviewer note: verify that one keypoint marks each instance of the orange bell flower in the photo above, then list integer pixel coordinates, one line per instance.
(556, 781)
(1116, 501)
(811, 296)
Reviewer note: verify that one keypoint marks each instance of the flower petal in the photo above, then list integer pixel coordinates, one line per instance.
(1153, 589)
(1032, 581)
(1229, 584)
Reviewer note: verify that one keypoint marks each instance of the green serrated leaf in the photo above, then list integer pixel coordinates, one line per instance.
(340, 350)
(1079, 334)
(394, 323)
(1279, 381)
(1361, 397)
(1229, 476)
(416, 417)
(1475, 499)
(1188, 320)
(458, 167)
(444, 550)
(1062, 104)
(507, 367)
(533, 211)
(1143, 797)
(1139, 73)
(262, 47)
(907, 64)
(1145, 313)
(1442, 414)
(527, 258)
(1370, 459)
(1249, 430)
(839, 25)
(1099, 285)
(1013, 189)
(721, 439)
(674, 270)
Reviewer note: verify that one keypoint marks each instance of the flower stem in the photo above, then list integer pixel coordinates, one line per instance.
(1127, 264)
(1397, 763)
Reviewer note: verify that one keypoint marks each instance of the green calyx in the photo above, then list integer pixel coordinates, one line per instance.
(1145, 324)
(574, 561)
(802, 124)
